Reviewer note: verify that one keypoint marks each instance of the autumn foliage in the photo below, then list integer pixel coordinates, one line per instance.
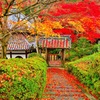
(8, 4)
(45, 28)
(81, 17)
(15, 16)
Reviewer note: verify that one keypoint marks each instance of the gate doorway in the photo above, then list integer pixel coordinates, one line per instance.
(55, 49)
(55, 57)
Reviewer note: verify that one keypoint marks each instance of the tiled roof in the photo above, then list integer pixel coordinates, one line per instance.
(17, 42)
(55, 42)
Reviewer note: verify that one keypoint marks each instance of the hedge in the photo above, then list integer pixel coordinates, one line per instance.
(87, 70)
(80, 49)
(22, 79)
(34, 55)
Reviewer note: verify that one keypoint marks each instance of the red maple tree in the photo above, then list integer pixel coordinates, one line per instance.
(81, 17)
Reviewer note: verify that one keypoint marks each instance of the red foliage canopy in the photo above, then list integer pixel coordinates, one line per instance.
(86, 12)
(84, 8)
(65, 31)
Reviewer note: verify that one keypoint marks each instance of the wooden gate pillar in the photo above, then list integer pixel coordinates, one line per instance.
(47, 54)
(63, 56)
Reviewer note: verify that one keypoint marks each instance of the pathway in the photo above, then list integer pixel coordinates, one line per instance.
(62, 86)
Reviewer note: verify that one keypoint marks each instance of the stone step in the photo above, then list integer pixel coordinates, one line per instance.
(59, 86)
(64, 93)
(64, 90)
(64, 97)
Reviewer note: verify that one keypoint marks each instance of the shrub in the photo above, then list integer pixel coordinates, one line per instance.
(55, 51)
(87, 70)
(34, 55)
(22, 79)
(71, 55)
(82, 48)
(95, 48)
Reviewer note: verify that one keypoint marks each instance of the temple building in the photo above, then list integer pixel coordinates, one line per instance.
(19, 47)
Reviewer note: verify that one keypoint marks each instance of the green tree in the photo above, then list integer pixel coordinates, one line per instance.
(82, 47)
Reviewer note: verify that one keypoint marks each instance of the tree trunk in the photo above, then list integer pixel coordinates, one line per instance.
(37, 49)
(4, 43)
(36, 39)
(4, 50)
(5, 35)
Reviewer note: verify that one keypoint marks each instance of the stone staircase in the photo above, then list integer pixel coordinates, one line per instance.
(59, 88)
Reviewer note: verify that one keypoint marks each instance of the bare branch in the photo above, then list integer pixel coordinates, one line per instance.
(10, 4)
(6, 2)
(29, 7)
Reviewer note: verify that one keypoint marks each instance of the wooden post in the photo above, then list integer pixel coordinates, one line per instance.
(26, 53)
(10, 54)
(46, 56)
(40, 51)
(63, 56)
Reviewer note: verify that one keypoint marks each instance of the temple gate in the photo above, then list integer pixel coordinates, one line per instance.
(59, 44)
